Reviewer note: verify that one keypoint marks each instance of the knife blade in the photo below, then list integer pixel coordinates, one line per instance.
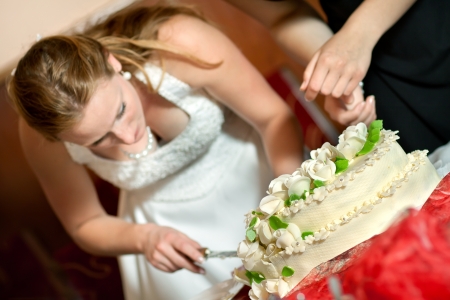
(207, 253)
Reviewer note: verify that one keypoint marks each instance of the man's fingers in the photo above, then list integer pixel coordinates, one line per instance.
(316, 83)
(329, 83)
(308, 71)
(351, 86)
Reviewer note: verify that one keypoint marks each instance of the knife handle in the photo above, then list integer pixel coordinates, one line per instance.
(205, 252)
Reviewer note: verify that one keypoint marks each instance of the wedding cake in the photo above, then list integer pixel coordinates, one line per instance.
(339, 198)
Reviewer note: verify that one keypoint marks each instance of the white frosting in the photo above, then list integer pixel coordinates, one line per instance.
(350, 208)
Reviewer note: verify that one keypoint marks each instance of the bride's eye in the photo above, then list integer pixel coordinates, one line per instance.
(122, 110)
(96, 143)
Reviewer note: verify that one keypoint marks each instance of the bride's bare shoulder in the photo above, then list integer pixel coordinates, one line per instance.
(36, 147)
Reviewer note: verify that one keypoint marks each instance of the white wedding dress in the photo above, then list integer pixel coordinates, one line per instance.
(201, 183)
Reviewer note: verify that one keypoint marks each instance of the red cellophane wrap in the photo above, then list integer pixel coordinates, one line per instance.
(410, 260)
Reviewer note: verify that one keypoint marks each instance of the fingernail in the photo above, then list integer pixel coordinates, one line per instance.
(307, 100)
(371, 99)
(202, 271)
(201, 260)
(303, 85)
(360, 106)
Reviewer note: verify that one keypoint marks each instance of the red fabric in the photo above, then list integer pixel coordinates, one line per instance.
(411, 260)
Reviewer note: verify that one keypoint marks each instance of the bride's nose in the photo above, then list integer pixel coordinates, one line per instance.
(125, 134)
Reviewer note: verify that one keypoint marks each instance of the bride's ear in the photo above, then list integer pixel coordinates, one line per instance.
(117, 66)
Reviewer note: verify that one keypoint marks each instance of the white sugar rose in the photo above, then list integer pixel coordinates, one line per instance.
(298, 184)
(250, 253)
(359, 130)
(276, 286)
(285, 237)
(271, 249)
(321, 170)
(248, 218)
(283, 195)
(271, 204)
(258, 292)
(352, 140)
(278, 184)
(327, 151)
(265, 233)
(300, 172)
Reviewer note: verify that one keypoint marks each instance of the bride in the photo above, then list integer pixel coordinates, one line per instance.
(161, 104)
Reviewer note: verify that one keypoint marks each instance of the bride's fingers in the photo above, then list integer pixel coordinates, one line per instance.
(161, 262)
(338, 111)
(367, 113)
(372, 110)
(181, 260)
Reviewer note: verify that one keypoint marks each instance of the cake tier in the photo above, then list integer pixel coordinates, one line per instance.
(413, 191)
(352, 207)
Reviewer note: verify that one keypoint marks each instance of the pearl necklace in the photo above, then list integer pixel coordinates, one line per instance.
(147, 149)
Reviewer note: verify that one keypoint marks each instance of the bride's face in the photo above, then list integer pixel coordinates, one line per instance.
(112, 117)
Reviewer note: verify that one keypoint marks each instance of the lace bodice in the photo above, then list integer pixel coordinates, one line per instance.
(206, 118)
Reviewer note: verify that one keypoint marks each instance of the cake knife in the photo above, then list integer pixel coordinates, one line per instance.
(217, 254)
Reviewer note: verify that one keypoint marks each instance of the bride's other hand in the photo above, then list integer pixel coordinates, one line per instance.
(351, 114)
(169, 250)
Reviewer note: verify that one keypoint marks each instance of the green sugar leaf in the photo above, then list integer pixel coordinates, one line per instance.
(291, 198)
(253, 222)
(294, 197)
(318, 183)
(374, 135)
(341, 165)
(306, 233)
(287, 271)
(275, 223)
(251, 234)
(368, 146)
(288, 202)
(249, 275)
(257, 213)
(376, 124)
(303, 196)
(254, 276)
(258, 277)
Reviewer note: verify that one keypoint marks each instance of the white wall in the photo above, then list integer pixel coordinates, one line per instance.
(22, 20)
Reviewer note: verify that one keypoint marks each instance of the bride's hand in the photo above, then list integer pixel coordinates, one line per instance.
(169, 250)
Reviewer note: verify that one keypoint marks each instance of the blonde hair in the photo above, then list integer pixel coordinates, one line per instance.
(55, 79)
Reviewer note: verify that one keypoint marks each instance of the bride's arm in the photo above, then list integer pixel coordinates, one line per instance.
(72, 196)
(237, 84)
